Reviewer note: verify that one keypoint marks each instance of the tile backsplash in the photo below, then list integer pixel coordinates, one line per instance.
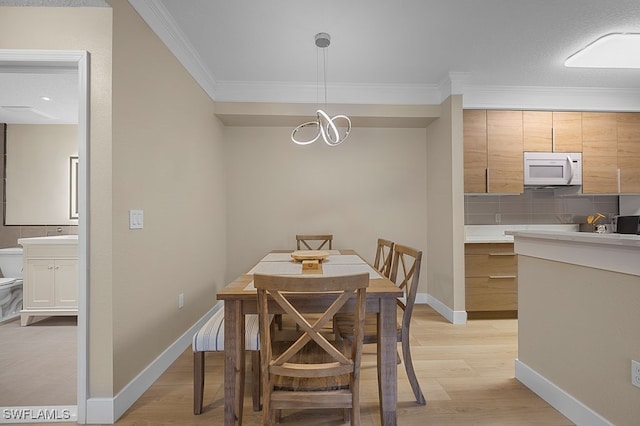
(536, 206)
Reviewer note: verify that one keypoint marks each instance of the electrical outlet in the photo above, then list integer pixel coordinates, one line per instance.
(635, 373)
(498, 218)
(180, 300)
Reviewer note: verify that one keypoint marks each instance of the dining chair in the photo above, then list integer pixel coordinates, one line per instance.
(405, 272)
(210, 338)
(313, 371)
(314, 242)
(384, 256)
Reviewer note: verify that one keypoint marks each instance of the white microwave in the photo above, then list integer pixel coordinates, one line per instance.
(552, 168)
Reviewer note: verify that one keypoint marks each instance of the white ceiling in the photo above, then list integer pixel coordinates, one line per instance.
(497, 53)
(382, 51)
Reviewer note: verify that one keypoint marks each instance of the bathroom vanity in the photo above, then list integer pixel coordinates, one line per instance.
(50, 277)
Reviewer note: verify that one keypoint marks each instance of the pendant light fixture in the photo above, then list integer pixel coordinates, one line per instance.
(325, 125)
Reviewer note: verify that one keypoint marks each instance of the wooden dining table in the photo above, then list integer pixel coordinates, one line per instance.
(240, 298)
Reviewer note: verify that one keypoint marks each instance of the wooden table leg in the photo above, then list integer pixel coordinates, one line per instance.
(233, 362)
(387, 366)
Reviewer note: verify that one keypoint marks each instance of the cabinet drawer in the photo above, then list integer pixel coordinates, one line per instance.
(491, 265)
(491, 294)
(486, 248)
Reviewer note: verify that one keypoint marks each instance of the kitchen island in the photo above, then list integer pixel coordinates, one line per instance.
(578, 319)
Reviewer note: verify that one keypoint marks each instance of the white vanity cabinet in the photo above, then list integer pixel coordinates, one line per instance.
(50, 277)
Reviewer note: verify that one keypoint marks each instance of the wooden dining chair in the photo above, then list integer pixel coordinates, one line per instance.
(313, 371)
(314, 242)
(384, 256)
(405, 272)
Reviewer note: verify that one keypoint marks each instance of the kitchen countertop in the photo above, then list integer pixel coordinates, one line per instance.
(610, 252)
(498, 233)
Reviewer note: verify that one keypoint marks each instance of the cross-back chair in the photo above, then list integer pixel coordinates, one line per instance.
(405, 272)
(313, 371)
(314, 242)
(384, 256)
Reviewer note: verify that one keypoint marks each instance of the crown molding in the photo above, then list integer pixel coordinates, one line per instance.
(161, 23)
(269, 91)
(554, 98)
(455, 83)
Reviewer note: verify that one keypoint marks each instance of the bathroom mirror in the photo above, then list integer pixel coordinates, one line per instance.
(39, 108)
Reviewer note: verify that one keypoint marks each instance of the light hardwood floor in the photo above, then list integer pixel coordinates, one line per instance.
(466, 373)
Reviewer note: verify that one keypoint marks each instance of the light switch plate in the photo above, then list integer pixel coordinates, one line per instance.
(136, 219)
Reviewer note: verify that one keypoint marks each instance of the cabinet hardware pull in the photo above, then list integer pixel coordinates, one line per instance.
(486, 172)
(553, 139)
(502, 254)
(618, 180)
(501, 277)
(49, 267)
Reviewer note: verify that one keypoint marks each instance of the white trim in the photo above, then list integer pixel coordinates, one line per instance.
(79, 60)
(570, 407)
(109, 410)
(551, 98)
(454, 317)
(161, 23)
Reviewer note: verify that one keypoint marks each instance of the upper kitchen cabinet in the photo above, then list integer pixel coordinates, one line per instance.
(599, 153)
(493, 151)
(567, 132)
(537, 131)
(547, 131)
(475, 150)
(628, 126)
(504, 152)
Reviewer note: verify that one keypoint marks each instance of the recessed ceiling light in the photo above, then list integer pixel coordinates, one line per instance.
(615, 50)
(45, 98)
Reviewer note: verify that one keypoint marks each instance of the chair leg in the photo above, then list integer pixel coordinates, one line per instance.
(411, 373)
(198, 381)
(256, 385)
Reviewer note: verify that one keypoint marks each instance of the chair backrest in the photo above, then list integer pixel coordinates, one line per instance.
(314, 242)
(384, 256)
(405, 272)
(281, 291)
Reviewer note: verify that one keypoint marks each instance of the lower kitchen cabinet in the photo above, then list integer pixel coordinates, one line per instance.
(491, 280)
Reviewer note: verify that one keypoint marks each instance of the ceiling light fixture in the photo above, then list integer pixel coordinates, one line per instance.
(615, 50)
(325, 124)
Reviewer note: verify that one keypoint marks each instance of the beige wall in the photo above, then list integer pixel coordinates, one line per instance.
(445, 226)
(88, 29)
(168, 161)
(373, 185)
(37, 185)
(578, 328)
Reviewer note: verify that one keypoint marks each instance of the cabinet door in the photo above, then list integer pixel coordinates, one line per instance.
(504, 152)
(66, 283)
(537, 130)
(39, 291)
(567, 132)
(599, 153)
(629, 151)
(475, 150)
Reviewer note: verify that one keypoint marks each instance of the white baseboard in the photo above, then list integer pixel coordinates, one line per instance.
(109, 410)
(454, 317)
(570, 407)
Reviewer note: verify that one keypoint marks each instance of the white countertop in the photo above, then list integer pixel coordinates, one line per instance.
(56, 239)
(628, 240)
(498, 233)
(609, 252)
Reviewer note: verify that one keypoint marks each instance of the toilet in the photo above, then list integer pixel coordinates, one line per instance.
(11, 283)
